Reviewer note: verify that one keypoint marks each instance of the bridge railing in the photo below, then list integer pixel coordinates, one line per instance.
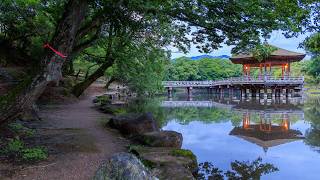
(236, 80)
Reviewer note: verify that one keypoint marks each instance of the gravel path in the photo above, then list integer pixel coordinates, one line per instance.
(77, 142)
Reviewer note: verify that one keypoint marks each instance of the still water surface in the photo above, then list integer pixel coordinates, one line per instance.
(282, 132)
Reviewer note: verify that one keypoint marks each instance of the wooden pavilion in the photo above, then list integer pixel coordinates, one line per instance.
(278, 58)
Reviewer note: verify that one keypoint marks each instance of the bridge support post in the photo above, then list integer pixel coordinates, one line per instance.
(287, 92)
(281, 93)
(232, 93)
(221, 92)
(265, 93)
(169, 92)
(249, 91)
(189, 89)
(273, 95)
(243, 92)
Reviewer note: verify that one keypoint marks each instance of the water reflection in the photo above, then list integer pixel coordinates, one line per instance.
(284, 132)
(269, 131)
(239, 170)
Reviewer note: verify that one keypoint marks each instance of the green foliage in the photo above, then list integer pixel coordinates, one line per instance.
(17, 150)
(141, 68)
(13, 147)
(204, 69)
(312, 44)
(19, 130)
(262, 52)
(102, 100)
(34, 154)
(240, 170)
(313, 69)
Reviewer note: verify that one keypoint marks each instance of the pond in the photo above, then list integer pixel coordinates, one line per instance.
(273, 138)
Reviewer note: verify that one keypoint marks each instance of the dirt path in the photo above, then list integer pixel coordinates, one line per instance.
(76, 140)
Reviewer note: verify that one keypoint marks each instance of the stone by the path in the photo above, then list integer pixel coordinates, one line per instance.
(160, 139)
(168, 163)
(133, 124)
(124, 166)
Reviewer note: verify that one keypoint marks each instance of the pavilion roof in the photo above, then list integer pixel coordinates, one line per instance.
(279, 55)
(267, 139)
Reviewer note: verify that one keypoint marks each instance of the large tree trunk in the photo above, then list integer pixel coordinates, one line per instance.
(82, 86)
(63, 41)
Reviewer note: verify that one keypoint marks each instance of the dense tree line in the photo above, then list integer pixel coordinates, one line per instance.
(119, 28)
(204, 69)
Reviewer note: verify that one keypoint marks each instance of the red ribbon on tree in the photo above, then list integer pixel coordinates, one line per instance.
(55, 51)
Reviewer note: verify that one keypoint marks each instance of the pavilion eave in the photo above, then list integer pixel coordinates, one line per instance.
(276, 60)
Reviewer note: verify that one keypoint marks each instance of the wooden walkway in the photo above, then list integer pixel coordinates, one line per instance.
(268, 81)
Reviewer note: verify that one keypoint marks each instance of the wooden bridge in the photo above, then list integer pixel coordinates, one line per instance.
(248, 86)
(236, 81)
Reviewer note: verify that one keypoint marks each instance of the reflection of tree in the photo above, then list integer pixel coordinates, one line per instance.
(313, 138)
(240, 170)
(183, 115)
(312, 114)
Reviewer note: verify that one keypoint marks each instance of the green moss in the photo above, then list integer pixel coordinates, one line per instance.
(148, 164)
(183, 153)
(120, 111)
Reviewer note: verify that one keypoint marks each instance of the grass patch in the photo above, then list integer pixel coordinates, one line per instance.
(34, 154)
(13, 148)
(16, 150)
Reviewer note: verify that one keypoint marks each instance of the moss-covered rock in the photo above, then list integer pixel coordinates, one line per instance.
(160, 139)
(123, 166)
(168, 163)
(134, 124)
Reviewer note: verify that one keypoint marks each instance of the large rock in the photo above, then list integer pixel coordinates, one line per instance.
(160, 139)
(133, 124)
(168, 163)
(123, 166)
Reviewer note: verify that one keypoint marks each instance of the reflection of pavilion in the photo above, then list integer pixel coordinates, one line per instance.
(265, 133)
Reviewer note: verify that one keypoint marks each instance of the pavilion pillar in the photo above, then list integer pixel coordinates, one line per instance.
(270, 70)
(282, 69)
(260, 71)
(289, 69)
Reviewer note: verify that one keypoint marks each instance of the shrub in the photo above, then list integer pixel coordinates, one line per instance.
(20, 130)
(34, 154)
(16, 150)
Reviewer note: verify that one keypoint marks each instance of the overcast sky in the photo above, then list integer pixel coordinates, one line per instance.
(276, 39)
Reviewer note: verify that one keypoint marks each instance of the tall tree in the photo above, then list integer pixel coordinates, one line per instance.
(63, 41)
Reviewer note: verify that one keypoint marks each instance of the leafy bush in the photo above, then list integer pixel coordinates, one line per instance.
(34, 154)
(16, 150)
(102, 100)
(19, 129)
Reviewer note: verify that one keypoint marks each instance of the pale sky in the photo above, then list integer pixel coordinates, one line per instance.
(276, 39)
